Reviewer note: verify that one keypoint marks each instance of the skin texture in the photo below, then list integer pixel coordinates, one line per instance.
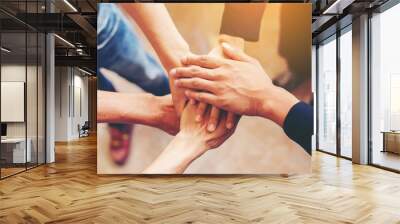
(240, 85)
(170, 46)
(232, 118)
(146, 109)
(192, 141)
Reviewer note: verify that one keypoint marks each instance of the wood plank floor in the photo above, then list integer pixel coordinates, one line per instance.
(70, 191)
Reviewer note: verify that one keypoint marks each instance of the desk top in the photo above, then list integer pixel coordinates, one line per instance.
(391, 132)
(13, 140)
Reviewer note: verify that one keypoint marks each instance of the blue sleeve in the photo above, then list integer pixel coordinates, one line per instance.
(298, 125)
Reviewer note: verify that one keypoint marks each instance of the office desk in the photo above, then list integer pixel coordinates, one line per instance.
(391, 141)
(15, 148)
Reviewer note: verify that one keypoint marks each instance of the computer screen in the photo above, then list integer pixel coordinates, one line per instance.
(3, 129)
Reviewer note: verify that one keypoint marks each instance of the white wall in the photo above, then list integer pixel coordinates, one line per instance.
(61, 103)
(16, 73)
(71, 93)
(81, 102)
(33, 127)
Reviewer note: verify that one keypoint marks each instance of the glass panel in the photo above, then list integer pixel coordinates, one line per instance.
(327, 96)
(41, 99)
(346, 94)
(385, 84)
(23, 87)
(32, 88)
(31, 98)
(13, 86)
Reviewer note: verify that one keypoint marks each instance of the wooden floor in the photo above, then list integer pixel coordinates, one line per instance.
(69, 191)
(5, 172)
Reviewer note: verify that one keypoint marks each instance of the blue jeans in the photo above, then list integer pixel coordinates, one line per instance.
(119, 49)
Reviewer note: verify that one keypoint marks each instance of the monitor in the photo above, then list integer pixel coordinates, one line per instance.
(3, 129)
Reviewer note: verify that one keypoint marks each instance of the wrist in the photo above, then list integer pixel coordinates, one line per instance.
(174, 58)
(145, 115)
(159, 109)
(191, 146)
(180, 153)
(183, 50)
(276, 106)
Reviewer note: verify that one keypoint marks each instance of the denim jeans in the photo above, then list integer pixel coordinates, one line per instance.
(119, 49)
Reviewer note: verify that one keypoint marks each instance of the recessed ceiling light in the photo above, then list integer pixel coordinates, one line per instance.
(65, 41)
(84, 71)
(337, 7)
(5, 50)
(70, 5)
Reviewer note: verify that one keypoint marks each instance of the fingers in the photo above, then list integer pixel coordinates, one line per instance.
(197, 84)
(201, 109)
(191, 71)
(234, 53)
(192, 102)
(204, 61)
(191, 105)
(204, 97)
(230, 120)
(213, 120)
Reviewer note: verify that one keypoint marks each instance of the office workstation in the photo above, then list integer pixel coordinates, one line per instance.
(16, 149)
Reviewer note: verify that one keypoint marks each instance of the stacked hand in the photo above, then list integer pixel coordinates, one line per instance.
(240, 85)
(236, 84)
(203, 126)
(215, 111)
(197, 129)
(192, 141)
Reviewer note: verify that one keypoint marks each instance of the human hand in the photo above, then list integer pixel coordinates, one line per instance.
(167, 118)
(192, 141)
(144, 108)
(198, 130)
(231, 119)
(239, 85)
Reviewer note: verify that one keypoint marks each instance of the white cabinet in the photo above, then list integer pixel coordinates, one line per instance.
(16, 147)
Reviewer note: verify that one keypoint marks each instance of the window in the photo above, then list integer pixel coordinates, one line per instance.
(385, 89)
(327, 96)
(346, 95)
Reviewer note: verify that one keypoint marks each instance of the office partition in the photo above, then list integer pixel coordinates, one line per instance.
(22, 78)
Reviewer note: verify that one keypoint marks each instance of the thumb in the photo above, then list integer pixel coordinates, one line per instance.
(234, 53)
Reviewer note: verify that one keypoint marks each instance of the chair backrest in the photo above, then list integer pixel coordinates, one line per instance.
(86, 125)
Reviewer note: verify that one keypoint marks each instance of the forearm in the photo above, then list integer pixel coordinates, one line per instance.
(138, 108)
(156, 23)
(177, 156)
(277, 105)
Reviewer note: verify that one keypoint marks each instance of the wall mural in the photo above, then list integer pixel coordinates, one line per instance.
(204, 88)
